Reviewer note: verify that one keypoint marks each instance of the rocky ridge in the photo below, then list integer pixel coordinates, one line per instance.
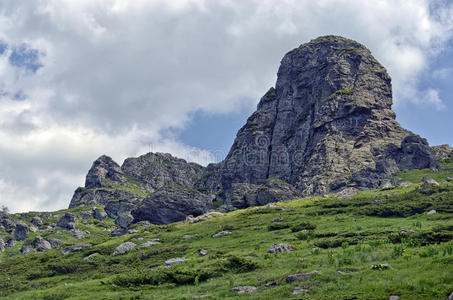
(326, 126)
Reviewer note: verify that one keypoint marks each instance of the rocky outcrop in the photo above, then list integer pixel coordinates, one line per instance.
(103, 170)
(20, 232)
(443, 151)
(327, 126)
(156, 170)
(172, 204)
(67, 221)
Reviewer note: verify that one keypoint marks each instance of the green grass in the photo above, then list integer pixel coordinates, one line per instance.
(326, 234)
(341, 92)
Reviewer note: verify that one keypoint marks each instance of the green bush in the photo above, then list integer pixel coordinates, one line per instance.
(302, 235)
(240, 264)
(277, 226)
(303, 226)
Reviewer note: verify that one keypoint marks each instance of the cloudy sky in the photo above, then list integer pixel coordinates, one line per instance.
(82, 78)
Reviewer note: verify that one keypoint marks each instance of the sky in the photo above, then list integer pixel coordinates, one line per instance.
(83, 78)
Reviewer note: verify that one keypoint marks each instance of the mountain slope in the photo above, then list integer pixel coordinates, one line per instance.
(349, 242)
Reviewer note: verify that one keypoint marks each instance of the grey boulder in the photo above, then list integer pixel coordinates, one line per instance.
(123, 248)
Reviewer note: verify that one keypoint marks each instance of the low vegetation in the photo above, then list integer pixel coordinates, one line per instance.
(376, 244)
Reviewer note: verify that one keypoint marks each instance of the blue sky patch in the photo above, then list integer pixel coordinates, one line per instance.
(25, 57)
(3, 47)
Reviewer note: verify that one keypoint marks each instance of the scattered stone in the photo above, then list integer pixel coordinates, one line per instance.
(20, 231)
(206, 216)
(430, 181)
(91, 256)
(67, 221)
(300, 290)
(26, 248)
(203, 252)
(86, 214)
(275, 220)
(10, 243)
(448, 179)
(431, 212)
(346, 193)
(75, 248)
(243, 289)
(406, 231)
(346, 272)
(54, 243)
(189, 236)
(380, 267)
(2, 245)
(36, 221)
(149, 243)
(199, 296)
(174, 261)
(301, 276)
(405, 184)
(450, 297)
(124, 220)
(119, 231)
(123, 248)
(41, 244)
(222, 233)
(139, 239)
(387, 185)
(78, 234)
(271, 284)
(280, 248)
(99, 214)
(394, 297)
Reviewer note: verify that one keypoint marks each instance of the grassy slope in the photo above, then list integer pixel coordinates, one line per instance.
(349, 235)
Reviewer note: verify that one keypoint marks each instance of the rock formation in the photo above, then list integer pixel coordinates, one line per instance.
(326, 126)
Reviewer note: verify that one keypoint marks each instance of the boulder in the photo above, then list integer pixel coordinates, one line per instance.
(10, 243)
(149, 243)
(301, 276)
(124, 220)
(203, 252)
(280, 248)
(174, 261)
(448, 179)
(430, 181)
(41, 244)
(78, 234)
(26, 248)
(123, 248)
(37, 221)
(99, 214)
(189, 236)
(431, 212)
(86, 214)
(2, 245)
(119, 231)
(67, 221)
(275, 220)
(443, 151)
(75, 248)
(172, 204)
(243, 289)
(91, 256)
(20, 232)
(222, 233)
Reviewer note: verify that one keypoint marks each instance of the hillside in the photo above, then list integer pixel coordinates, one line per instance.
(392, 241)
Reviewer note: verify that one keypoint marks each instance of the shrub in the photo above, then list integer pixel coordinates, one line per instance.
(303, 226)
(178, 274)
(277, 226)
(240, 264)
(302, 235)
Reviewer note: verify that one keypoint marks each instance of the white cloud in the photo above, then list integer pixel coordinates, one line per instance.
(116, 74)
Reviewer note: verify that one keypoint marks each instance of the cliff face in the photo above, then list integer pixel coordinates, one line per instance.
(325, 126)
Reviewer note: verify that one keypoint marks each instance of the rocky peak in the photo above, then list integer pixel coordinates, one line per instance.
(327, 124)
(103, 168)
